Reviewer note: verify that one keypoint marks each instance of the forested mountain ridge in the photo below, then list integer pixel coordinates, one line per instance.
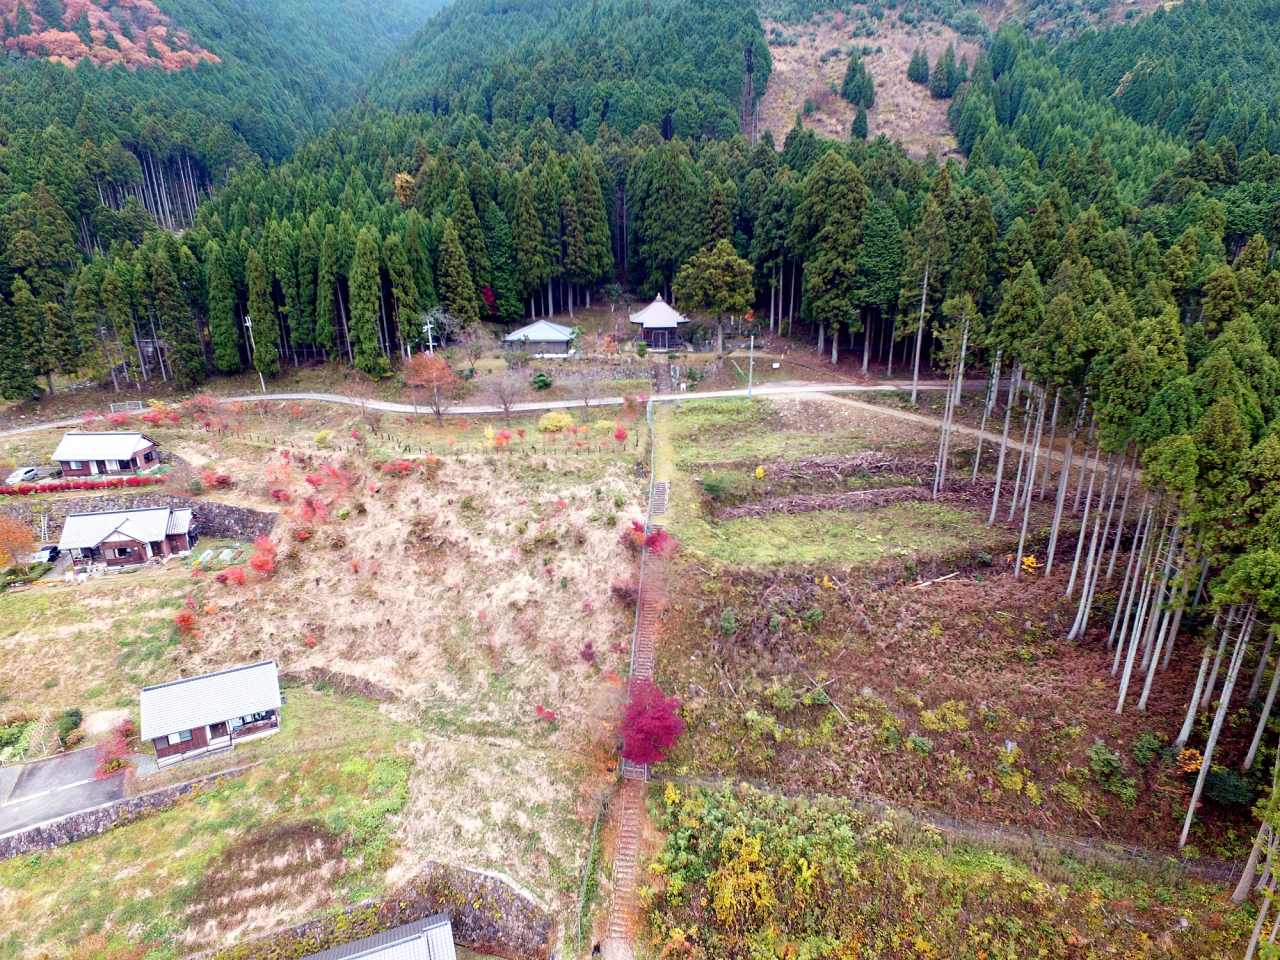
(1199, 70)
(680, 66)
(138, 36)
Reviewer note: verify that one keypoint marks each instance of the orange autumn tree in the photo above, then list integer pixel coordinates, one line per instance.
(425, 371)
(16, 543)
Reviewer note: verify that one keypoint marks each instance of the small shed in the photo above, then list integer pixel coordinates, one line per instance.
(430, 938)
(122, 537)
(543, 337)
(191, 717)
(91, 454)
(660, 324)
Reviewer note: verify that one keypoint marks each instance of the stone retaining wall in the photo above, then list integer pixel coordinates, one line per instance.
(344, 683)
(218, 520)
(491, 914)
(96, 820)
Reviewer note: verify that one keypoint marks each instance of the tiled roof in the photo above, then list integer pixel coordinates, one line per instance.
(544, 331)
(146, 526)
(428, 939)
(211, 698)
(100, 446)
(659, 315)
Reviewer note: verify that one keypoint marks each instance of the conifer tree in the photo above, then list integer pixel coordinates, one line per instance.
(946, 75)
(223, 329)
(719, 224)
(22, 18)
(308, 255)
(266, 336)
(457, 291)
(858, 86)
(404, 291)
(530, 252)
(718, 281)
(595, 221)
(186, 348)
(918, 68)
(366, 297)
(471, 236)
(577, 268)
(416, 251)
(497, 236)
(119, 319)
(860, 127)
(19, 345)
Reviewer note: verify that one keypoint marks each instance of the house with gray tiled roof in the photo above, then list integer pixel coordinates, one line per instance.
(195, 716)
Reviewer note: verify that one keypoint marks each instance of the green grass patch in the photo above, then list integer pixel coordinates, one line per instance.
(837, 535)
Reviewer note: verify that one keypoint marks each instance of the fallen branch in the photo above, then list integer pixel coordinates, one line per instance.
(925, 583)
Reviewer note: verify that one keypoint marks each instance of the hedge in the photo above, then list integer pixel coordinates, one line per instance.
(62, 486)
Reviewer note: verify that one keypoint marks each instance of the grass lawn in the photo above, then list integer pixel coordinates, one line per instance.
(839, 535)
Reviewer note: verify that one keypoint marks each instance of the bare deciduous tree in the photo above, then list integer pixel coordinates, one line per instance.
(505, 389)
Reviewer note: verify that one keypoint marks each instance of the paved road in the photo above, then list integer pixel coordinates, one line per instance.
(54, 787)
(762, 390)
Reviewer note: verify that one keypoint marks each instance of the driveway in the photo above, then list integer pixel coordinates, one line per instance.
(48, 789)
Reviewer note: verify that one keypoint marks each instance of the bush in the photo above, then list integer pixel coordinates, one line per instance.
(70, 720)
(556, 421)
(919, 744)
(651, 725)
(1108, 770)
(642, 348)
(729, 621)
(541, 381)
(1227, 786)
(1145, 748)
(717, 486)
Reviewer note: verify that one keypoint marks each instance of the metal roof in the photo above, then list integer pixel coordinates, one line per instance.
(179, 523)
(196, 701)
(659, 315)
(100, 446)
(146, 526)
(543, 331)
(428, 939)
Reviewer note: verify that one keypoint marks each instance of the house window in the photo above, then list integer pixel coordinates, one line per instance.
(150, 455)
(161, 742)
(76, 465)
(122, 552)
(183, 736)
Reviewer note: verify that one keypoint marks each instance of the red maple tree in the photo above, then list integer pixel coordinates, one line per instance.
(651, 725)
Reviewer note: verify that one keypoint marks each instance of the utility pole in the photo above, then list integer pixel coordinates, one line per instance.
(751, 366)
(248, 322)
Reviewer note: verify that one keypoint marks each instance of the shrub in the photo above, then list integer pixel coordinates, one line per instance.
(1227, 786)
(717, 486)
(729, 621)
(660, 543)
(555, 421)
(185, 621)
(919, 744)
(1145, 748)
(541, 381)
(626, 591)
(651, 725)
(70, 720)
(264, 545)
(1108, 770)
(642, 348)
(263, 563)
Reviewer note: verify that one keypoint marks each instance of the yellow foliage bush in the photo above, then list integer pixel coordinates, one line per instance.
(951, 717)
(556, 421)
(741, 887)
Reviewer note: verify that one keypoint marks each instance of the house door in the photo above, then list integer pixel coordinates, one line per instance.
(102, 466)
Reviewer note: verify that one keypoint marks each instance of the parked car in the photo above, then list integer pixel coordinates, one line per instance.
(46, 554)
(22, 475)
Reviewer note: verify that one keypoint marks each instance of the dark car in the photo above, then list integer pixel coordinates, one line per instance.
(46, 554)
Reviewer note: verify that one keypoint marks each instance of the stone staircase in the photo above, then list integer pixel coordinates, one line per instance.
(619, 942)
(662, 378)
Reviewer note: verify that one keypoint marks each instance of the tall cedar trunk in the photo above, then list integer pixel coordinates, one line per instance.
(1192, 709)
(1127, 583)
(1207, 696)
(1242, 644)
(1084, 525)
(1004, 445)
(1084, 464)
(1266, 711)
(987, 403)
(1031, 473)
(1251, 866)
(1124, 508)
(924, 299)
(1053, 436)
(1022, 451)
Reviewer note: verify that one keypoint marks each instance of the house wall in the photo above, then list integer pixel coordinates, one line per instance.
(199, 740)
(93, 468)
(137, 552)
(176, 543)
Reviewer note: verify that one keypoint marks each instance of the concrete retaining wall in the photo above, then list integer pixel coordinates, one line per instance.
(491, 914)
(96, 820)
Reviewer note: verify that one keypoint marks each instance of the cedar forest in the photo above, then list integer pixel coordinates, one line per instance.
(1106, 249)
